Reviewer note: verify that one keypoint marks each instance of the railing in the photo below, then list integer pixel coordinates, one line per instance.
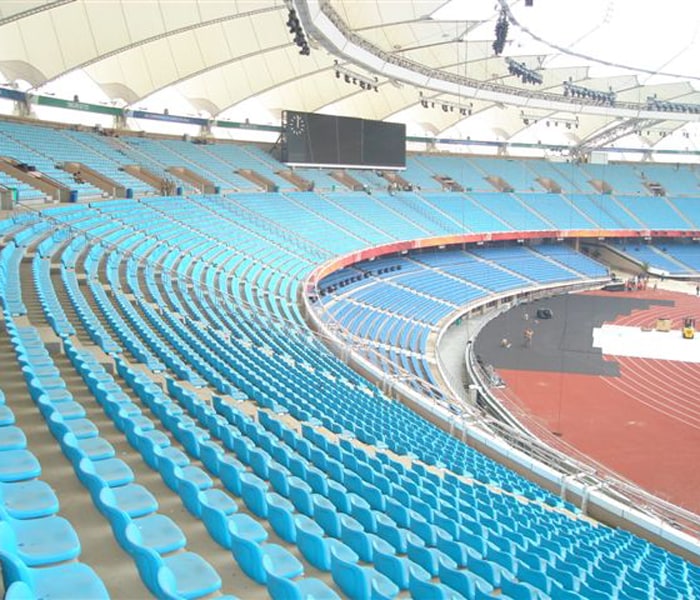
(519, 439)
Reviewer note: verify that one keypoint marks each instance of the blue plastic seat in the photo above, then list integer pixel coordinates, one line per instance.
(133, 499)
(313, 544)
(18, 465)
(352, 534)
(67, 581)
(172, 475)
(210, 454)
(517, 590)
(421, 586)
(254, 493)
(28, 499)
(41, 541)
(180, 575)
(216, 522)
(12, 438)
(245, 527)
(363, 513)
(218, 499)
(326, 515)
(113, 471)
(300, 495)
(388, 531)
(157, 532)
(428, 558)
(80, 428)
(259, 461)
(388, 563)
(486, 570)
(280, 513)
(257, 560)
(309, 588)
(357, 582)
(230, 471)
(96, 448)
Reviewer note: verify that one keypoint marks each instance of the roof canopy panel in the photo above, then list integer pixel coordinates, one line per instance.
(236, 55)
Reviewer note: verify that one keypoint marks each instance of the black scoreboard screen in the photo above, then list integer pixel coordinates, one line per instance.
(316, 140)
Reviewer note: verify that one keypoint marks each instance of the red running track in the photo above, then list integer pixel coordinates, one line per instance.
(644, 424)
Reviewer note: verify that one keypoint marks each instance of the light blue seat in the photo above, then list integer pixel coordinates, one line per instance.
(388, 563)
(210, 454)
(388, 531)
(280, 514)
(158, 532)
(218, 513)
(230, 471)
(113, 471)
(421, 586)
(352, 534)
(519, 591)
(534, 577)
(279, 478)
(254, 491)
(427, 558)
(486, 570)
(457, 551)
(153, 454)
(19, 591)
(300, 495)
(28, 499)
(313, 544)
(180, 575)
(462, 580)
(67, 581)
(326, 515)
(12, 438)
(18, 465)
(363, 513)
(256, 560)
(68, 409)
(96, 448)
(133, 499)
(172, 475)
(41, 541)
(357, 582)
(80, 428)
(259, 461)
(246, 527)
(308, 588)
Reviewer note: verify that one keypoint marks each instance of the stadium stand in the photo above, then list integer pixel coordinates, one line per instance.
(177, 319)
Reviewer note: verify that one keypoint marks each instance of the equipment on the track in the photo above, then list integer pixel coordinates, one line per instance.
(544, 313)
(688, 328)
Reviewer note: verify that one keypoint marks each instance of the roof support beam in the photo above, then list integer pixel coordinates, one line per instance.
(33, 11)
(610, 134)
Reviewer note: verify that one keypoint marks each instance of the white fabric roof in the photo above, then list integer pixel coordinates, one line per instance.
(224, 57)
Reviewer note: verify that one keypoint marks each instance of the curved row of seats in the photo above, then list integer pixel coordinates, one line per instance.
(394, 308)
(38, 548)
(231, 335)
(44, 148)
(151, 538)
